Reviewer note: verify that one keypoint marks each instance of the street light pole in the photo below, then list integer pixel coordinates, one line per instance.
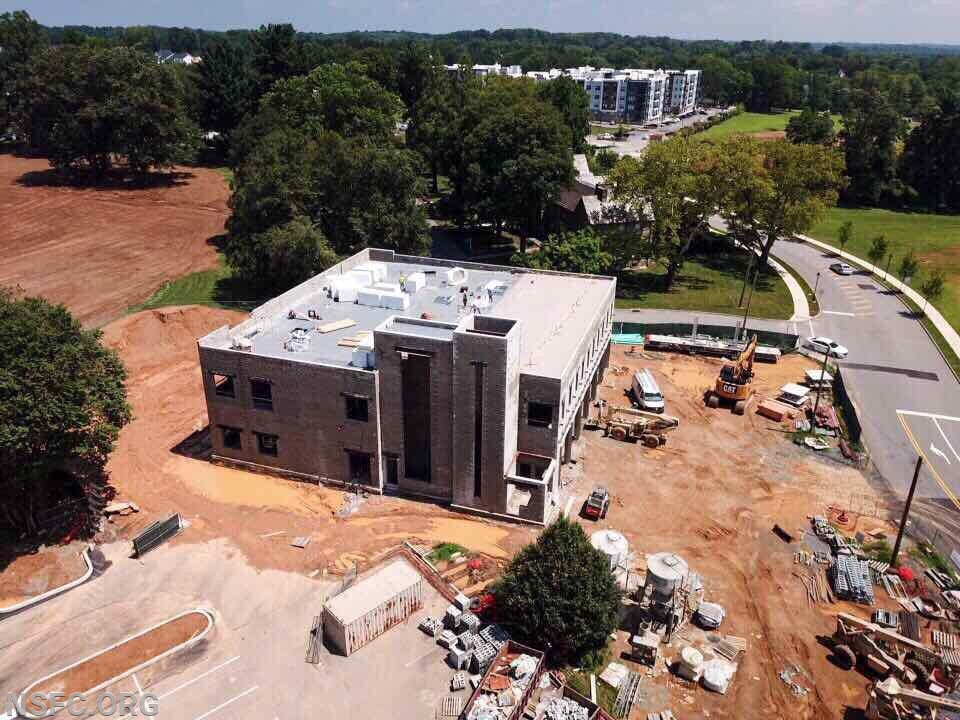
(906, 511)
(816, 285)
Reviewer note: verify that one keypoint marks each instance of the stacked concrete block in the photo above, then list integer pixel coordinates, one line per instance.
(465, 640)
(431, 626)
(447, 639)
(451, 618)
(469, 623)
(459, 658)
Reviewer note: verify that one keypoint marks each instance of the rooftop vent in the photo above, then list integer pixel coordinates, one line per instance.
(298, 341)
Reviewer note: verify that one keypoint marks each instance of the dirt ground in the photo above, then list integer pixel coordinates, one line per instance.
(260, 513)
(31, 575)
(99, 251)
(713, 494)
(122, 658)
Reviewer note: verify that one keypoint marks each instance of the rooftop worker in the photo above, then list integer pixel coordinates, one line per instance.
(403, 281)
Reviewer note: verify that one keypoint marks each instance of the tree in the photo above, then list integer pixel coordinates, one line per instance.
(908, 266)
(568, 97)
(62, 404)
(21, 37)
(516, 155)
(845, 234)
(811, 127)
(277, 54)
(334, 97)
(576, 252)
(930, 163)
(670, 190)
(85, 106)
(932, 287)
(558, 593)
(806, 180)
(604, 160)
(416, 70)
(283, 255)
(871, 129)
(723, 82)
(226, 87)
(434, 124)
(878, 249)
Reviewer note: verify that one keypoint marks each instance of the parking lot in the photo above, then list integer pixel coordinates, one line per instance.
(253, 663)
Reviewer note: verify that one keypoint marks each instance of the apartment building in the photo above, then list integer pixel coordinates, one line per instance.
(682, 91)
(463, 383)
(514, 71)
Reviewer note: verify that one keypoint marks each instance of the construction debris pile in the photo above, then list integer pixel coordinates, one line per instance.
(562, 708)
(503, 688)
(470, 648)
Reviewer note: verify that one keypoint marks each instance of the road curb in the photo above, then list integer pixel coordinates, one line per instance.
(43, 597)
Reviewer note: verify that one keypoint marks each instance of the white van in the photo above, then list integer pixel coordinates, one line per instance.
(647, 392)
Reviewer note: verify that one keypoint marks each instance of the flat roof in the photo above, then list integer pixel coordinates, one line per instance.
(371, 592)
(554, 311)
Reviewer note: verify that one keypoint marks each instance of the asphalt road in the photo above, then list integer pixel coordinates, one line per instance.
(892, 366)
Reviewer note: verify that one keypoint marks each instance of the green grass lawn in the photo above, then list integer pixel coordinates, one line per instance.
(709, 283)
(217, 287)
(749, 122)
(934, 238)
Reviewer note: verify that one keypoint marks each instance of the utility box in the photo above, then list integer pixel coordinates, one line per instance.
(368, 609)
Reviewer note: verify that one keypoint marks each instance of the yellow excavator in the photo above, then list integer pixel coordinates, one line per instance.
(733, 385)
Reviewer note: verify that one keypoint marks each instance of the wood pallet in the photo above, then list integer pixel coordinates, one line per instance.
(662, 715)
(450, 706)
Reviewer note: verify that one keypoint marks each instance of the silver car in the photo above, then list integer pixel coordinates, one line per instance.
(828, 346)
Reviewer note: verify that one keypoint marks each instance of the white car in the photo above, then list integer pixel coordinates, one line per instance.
(841, 268)
(828, 346)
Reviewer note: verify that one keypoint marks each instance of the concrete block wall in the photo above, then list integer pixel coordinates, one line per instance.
(308, 416)
(389, 366)
(499, 356)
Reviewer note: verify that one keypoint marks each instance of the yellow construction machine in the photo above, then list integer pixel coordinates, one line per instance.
(733, 385)
(623, 423)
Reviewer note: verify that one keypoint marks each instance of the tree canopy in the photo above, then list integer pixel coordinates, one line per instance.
(576, 252)
(85, 106)
(62, 404)
(811, 126)
(930, 163)
(559, 594)
(872, 127)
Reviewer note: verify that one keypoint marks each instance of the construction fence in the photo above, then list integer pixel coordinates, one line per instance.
(842, 399)
(785, 342)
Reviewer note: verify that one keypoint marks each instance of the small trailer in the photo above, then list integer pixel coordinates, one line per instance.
(624, 423)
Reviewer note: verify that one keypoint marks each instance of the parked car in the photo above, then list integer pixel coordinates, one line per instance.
(828, 346)
(597, 504)
(841, 268)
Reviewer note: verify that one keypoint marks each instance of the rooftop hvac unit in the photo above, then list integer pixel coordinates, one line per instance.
(377, 270)
(395, 300)
(388, 287)
(369, 297)
(298, 341)
(455, 276)
(414, 282)
(343, 288)
(362, 278)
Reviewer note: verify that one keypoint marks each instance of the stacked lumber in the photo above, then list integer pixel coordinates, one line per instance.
(354, 340)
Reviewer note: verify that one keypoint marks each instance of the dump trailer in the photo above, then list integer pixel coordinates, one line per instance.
(882, 650)
(733, 385)
(625, 423)
(890, 701)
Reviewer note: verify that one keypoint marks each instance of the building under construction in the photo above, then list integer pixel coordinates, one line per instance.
(460, 382)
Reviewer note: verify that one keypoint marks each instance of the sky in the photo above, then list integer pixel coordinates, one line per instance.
(893, 21)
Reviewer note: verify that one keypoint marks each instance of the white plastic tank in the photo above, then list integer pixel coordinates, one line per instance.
(665, 571)
(613, 545)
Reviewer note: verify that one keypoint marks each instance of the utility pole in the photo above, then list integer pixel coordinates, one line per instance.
(906, 511)
(816, 285)
(823, 370)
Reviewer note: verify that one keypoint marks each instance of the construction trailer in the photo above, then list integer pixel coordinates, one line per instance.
(364, 611)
